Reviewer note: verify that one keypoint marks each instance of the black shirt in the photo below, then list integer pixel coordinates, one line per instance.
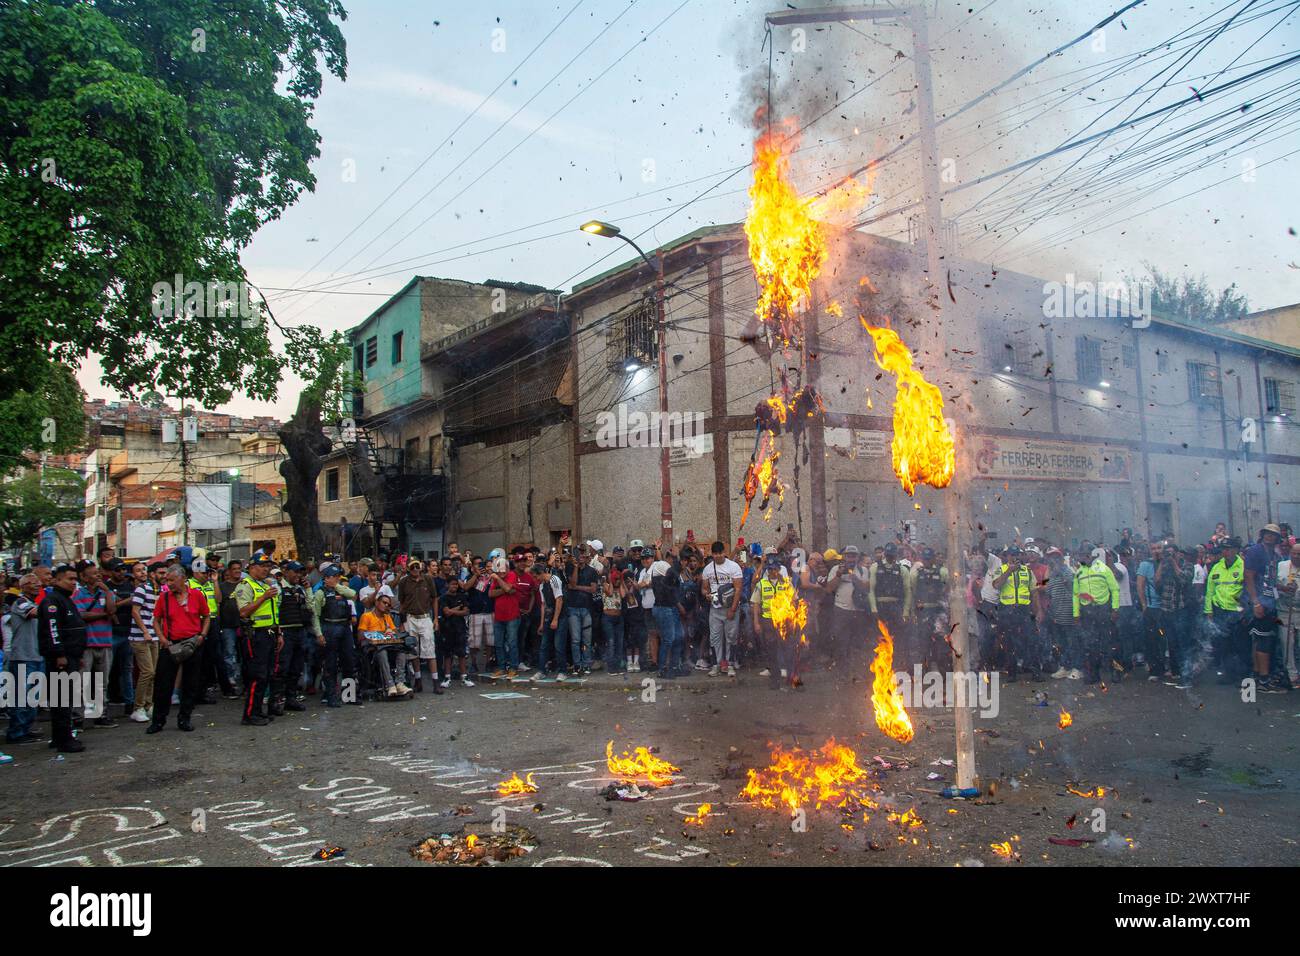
(228, 610)
(581, 599)
(453, 626)
(60, 628)
(122, 619)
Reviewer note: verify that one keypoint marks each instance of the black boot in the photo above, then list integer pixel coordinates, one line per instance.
(295, 703)
(183, 723)
(277, 707)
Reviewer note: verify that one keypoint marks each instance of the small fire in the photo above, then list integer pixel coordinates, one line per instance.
(886, 700)
(923, 448)
(1003, 849)
(471, 841)
(761, 477)
(1065, 720)
(701, 812)
(907, 819)
(829, 775)
(643, 765)
(514, 786)
(1099, 792)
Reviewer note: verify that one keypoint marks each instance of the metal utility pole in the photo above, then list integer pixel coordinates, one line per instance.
(932, 236)
(665, 469)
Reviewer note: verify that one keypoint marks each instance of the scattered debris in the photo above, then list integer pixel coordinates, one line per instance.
(329, 853)
(470, 849)
(627, 791)
(1069, 841)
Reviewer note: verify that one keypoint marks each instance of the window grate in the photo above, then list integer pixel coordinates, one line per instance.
(1279, 397)
(1203, 383)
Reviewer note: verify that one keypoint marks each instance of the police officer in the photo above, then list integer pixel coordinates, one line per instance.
(766, 589)
(333, 616)
(929, 593)
(1096, 606)
(61, 633)
(1223, 585)
(296, 629)
(889, 589)
(202, 579)
(1015, 586)
(259, 612)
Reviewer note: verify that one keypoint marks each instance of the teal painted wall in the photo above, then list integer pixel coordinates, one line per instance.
(389, 385)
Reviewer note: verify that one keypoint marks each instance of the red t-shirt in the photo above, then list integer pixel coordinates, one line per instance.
(526, 587)
(507, 605)
(180, 621)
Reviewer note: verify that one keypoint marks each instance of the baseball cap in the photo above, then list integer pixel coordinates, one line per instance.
(618, 549)
(1268, 527)
(259, 560)
(832, 555)
(851, 549)
(891, 549)
(927, 554)
(331, 570)
(596, 544)
(647, 552)
(292, 566)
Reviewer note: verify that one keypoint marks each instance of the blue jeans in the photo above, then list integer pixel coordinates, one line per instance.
(21, 719)
(124, 664)
(613, 630)
(506, 635)
(229, 657)
(580, 637)
(669, 624)
(556, 638)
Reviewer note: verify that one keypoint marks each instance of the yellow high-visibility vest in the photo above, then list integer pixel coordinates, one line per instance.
(268, 613)
(1016, 588)
(769, 589)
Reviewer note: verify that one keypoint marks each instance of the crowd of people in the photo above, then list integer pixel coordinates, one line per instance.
(178, 632)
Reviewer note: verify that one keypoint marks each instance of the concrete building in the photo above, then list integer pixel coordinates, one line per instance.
(414, 359)
(1281, 325)
(1071, 427)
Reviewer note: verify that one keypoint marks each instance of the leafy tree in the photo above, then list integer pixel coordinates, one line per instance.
(34, 501)
(1191, 298)
(141, 140)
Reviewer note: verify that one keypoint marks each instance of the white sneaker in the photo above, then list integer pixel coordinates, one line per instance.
(559, 677)
(765, 673)
(1060, 673)
(1075, 674)
(524, 668)
(403, 689)
(140, 715)
(784, 675)
(636, 665)
(467, 682)
(701, 665)
(445, 684)
(713, 671)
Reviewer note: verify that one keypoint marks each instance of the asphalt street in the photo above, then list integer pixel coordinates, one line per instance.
(1190, 777)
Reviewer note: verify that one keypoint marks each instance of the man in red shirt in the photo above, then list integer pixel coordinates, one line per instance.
(526, 588)
(180, 613)
(503, 589)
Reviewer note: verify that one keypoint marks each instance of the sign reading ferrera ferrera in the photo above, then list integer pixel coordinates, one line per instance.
(1014, 458)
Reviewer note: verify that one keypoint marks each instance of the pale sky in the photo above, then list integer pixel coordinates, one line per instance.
(663, 97)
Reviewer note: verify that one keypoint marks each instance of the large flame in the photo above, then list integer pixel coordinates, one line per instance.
(514, 786)
(789, 614)
(923, 448)
(886, 701)
(786, 245)
(642, 765)
(830, 775)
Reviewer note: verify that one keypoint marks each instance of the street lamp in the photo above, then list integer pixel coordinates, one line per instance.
(610, 231)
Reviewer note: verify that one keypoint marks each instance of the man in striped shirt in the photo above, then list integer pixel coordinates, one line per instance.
(98, 606)
(144, 642)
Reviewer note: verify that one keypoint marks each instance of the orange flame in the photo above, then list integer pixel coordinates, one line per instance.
(923, 447)
(829, 775)
(788, 614)
(886, 700)
(1002, 849)
(642, 765)
(701, 812)
(515, 786)
(1065, 720)
(761, 476)
(471, 841)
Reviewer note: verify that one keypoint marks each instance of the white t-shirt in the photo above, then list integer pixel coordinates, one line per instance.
(1121, 578)
(648, 595)
(384, 589)
(720, 574)
(844, 590)
(1199, 574)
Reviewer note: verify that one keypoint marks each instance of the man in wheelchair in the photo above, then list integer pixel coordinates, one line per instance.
(385, 648)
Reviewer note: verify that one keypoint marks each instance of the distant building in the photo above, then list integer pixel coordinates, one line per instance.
(1280, 325)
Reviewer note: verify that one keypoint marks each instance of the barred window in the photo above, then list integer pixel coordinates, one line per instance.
(631, 339)
(1203, 383)
(1088, 360)
(1279, 397)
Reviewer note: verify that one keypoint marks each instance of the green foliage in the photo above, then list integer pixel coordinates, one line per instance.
(1191, 299)
(35, 500)
(141, 139)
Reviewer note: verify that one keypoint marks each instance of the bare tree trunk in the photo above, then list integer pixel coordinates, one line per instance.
(305, 444)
